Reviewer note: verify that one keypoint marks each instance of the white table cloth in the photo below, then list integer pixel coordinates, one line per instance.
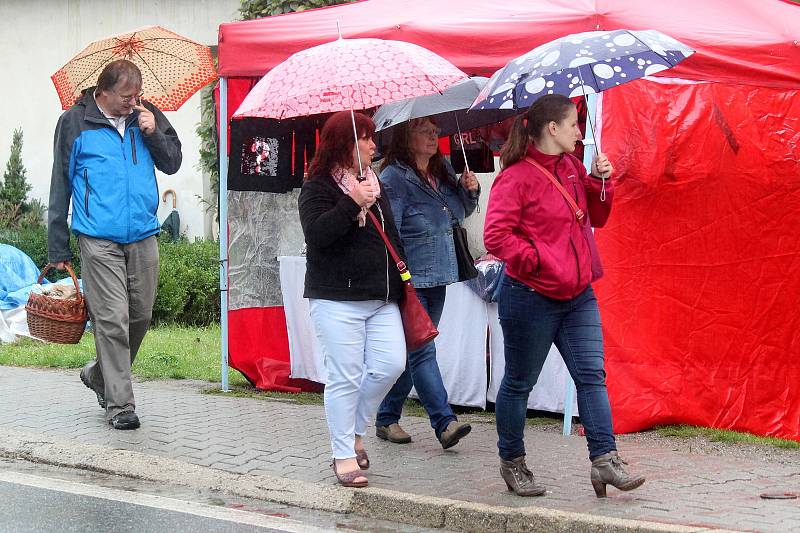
(470, 372)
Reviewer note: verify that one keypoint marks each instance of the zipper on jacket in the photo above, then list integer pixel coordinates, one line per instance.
(133, 147)
(574, 221)
(386, 252)
(86, 195)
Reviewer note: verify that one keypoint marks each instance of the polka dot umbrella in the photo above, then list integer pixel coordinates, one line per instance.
(580, 64)
(348, 74)
(173, 67)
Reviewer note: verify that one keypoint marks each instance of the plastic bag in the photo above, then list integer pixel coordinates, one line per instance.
(491, 272)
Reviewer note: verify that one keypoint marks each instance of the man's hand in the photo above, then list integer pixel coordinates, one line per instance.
(61, 265)
(147, 121)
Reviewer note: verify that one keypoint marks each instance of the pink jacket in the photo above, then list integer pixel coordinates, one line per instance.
(532, 228)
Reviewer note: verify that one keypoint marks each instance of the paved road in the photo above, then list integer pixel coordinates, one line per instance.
(242, 435)
(42, 499)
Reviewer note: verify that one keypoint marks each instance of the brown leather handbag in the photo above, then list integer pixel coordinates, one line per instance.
(417, 324)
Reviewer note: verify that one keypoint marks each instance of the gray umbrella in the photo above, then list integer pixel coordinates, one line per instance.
(450, 111)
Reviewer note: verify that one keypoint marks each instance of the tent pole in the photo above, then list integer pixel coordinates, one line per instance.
(223, 228)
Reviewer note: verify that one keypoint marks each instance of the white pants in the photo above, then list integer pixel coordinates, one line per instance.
(365, 352)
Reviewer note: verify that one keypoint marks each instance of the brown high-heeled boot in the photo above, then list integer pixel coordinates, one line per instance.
(519, 479)
(607, 469)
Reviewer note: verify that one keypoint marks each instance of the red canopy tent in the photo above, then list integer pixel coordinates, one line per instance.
(701, 258)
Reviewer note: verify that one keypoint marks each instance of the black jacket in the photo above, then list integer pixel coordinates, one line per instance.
(344, 261)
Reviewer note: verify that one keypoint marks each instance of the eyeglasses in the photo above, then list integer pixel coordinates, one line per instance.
(428, 132)
(127, 98)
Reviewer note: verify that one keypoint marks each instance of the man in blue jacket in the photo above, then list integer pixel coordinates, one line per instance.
(105, 148)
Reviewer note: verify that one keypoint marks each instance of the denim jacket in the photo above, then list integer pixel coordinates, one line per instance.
(424, 224)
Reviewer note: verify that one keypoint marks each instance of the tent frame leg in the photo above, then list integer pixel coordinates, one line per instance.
(223, 229)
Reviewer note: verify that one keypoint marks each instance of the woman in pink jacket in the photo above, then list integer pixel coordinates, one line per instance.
(546, 241)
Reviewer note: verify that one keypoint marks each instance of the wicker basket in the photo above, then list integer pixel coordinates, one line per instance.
(54, 319)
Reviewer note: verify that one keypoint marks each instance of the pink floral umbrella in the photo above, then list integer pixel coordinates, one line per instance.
(348, 74)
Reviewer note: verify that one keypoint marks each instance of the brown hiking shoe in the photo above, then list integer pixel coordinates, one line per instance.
(393, 433)
(455, 432)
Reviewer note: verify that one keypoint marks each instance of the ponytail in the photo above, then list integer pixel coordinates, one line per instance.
(547, 109)
(517, 143)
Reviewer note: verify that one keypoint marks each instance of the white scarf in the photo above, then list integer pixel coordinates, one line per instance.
(347, 181)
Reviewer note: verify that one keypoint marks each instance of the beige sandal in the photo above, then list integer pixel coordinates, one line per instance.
(348, 479)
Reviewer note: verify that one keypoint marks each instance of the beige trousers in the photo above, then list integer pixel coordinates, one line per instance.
(119, 283)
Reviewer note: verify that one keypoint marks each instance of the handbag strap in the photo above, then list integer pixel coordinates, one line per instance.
(401, 266)
(579, 214)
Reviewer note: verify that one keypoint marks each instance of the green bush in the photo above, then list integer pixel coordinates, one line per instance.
(33, 241)
(188, 283)
(188, 280)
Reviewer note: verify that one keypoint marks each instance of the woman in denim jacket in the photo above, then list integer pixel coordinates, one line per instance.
(427, 199)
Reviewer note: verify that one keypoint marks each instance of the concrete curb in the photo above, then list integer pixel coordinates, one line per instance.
(370, 502)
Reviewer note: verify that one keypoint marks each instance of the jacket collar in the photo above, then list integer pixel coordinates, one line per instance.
(412, 176)
(548, 161)
(92, 112)
(410, 173)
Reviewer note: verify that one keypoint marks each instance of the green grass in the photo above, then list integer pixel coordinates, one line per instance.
(168, 352)
(247, 391)
(723, 435)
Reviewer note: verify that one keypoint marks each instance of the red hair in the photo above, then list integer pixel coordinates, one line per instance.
(337, 142)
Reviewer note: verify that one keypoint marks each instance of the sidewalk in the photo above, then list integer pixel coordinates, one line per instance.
(266, 440)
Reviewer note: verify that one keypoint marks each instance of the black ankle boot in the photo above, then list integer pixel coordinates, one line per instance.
(607, 469)
(519, 479)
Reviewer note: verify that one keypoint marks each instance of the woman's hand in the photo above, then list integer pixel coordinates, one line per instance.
(601, 166)
(469, 181)
(363, 193)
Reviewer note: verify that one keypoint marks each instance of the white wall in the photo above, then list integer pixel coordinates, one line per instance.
(39, 36)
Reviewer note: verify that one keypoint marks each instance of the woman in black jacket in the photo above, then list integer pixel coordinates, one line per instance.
(352, 286)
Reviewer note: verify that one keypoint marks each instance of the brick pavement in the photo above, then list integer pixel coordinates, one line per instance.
(243, 435)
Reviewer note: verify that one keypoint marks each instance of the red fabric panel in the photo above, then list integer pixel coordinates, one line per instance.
(258, 347)
(480, 39)
(702, 257)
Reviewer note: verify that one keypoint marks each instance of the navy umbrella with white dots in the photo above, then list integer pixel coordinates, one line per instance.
(580, 64)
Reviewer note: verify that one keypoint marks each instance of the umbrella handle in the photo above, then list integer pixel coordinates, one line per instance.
(355, 136)
(594, 133)
(174, 197)
(461, 142)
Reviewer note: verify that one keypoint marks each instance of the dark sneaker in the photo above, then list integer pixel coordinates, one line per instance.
(455, 432)
(125, 420)
(393, 433)
(100, 399)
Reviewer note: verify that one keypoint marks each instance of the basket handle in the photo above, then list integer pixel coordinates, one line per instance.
(48, 266)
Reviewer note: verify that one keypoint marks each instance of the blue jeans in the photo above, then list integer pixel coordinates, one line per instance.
(422, 372)
(531, 323)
